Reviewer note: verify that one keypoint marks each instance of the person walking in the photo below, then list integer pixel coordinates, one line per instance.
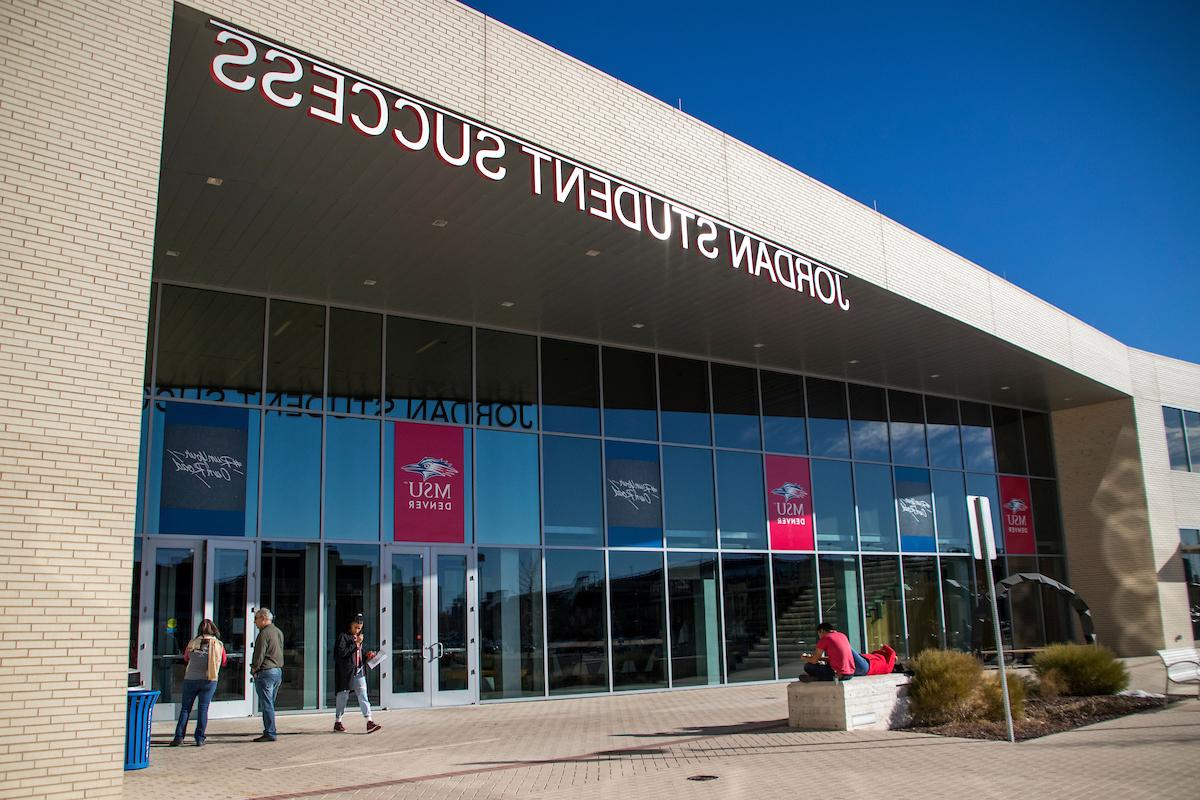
(204, 656)
(266, 666)
(350, 675)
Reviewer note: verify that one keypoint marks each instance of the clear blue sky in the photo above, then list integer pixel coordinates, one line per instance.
(1056, 144)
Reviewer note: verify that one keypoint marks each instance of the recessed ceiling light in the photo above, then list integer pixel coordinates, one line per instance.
(759, 345)
(1004, 388)
(211, 181)
(638, 325)
(852, 361)
(592, 253)
(369, 282)
(173, 253)
(508, 304)
(441, 223)
(936, 375)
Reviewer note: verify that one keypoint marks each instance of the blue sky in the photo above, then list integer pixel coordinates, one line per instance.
(1056, 144)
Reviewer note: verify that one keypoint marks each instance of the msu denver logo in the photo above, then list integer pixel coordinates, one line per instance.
(790, 491)
(1016, 505)
(429, 467)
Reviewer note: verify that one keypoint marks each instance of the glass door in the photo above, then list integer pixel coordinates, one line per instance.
(452, 601)
(230, 592)
(170, 597)
(403, 672)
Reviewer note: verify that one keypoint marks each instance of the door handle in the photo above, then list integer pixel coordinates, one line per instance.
(441, 649)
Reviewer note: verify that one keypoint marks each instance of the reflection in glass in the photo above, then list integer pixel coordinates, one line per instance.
(922, 604)
(683, 388)
(907, 427)
(1038, 443)
(452, 662)
(881, 601)
(638, 620)
(351, 587)
(630, 399)
(945, 447)
(741, 500)
(868, 423)
(174, 619)
(408, 623)
(210, 346)
(735, 407)
(351, 478)
(985, 486)
(634, 498)
(833, 506)
(958, 602)
(506, 384)
(510, 624)
(688, 497)
(291, 479)
(876, 507)
(572, 483)
(783, 413)
(795, 611)
(506, 487)
(1062, 623)
(1010, 441)
(296, 356)
(1046, 524)
(570, 387)
(290, 583)
(1190, 538)
(950, 505)
(1176, 446)
(428, 371)
(695, 619)
(977, 437)
(1025, 600)
(749, 640)
(840, 596)
(914, 498)
(828, 434)
(355, 362)
(1191, 424)
(575, 621)
(228, 571)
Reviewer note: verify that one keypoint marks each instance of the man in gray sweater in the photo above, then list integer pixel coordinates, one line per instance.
(267, 668)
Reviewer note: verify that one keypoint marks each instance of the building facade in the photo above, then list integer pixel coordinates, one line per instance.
(566, 391)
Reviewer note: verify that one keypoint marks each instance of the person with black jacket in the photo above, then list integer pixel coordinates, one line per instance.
(349, 673)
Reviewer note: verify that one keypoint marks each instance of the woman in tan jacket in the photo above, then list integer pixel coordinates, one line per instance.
(205, 655)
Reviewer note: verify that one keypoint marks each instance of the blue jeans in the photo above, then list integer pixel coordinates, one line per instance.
(358, 685)
(266, 685)
(194, 690)
(823, 672)
(861, 665)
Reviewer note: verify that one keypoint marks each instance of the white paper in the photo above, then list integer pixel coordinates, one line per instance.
(374, 660)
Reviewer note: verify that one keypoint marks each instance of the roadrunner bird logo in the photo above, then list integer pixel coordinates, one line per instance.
(790, 491)
(429, 467)
(1016, 505)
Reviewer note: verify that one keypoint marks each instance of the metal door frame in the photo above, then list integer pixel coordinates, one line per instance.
(235, 708)
(165, 709)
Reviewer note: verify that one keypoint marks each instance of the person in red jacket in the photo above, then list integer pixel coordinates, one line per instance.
(834, 658)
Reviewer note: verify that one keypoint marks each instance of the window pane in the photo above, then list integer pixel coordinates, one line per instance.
(428, 371)
(575, 620)
(1010, 441)
(841, 599)
(203, 470)
(1046, 523)
(1025, 600)
(1062, 623)
(291, 479)
(426, 483)
(950, 506)
(740, 500)
(210, 345)
(827, 431)
(688, 497)
(876, 507)
(749, 645)
(881, 599)
(683, 388)
(570, 387)
(985, 486)
(695, 619)
(922, 604)
(1191, 424)
(355, 361)
(510, 624)
(868, 423)
(351, 587)
(795, 611)
(783, 413)
(351, 478)
(735, 407)
(833, 506)
(1191, 572)
(630, 401)
(1176, 442)
(958, 602)
(506, 488)
(945, 448)
(572, 482)
(634, 495)
(290, 582)
(639, 625)
(296, 356)
(1038, 444)
(506, 387)
(977, 437)
(907, 427)
(914, 499)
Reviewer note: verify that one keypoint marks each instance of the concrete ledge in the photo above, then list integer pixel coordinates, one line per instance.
(869, 703)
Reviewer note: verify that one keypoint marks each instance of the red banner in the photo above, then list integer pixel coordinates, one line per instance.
(429, 484)
(789, 503)
(1016, 516)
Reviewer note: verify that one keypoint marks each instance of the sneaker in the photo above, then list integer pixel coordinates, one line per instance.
(176, 742)
(265, 738)
(339, 727)
(372, 726)
(199, 743)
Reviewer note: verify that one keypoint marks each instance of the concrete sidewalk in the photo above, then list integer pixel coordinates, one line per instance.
(650, 744)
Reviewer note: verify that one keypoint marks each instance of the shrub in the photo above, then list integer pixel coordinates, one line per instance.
(943, 687)
(991, 699)
(1050, 684)
(1083, 669)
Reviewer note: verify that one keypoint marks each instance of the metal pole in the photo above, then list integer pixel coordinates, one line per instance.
(996, 627)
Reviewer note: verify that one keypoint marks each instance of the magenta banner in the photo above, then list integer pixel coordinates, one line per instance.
(1016, 513)
(429, 483)
(789, 503)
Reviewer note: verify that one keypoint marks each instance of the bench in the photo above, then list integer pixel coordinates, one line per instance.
(868, 703)
(1183, 666)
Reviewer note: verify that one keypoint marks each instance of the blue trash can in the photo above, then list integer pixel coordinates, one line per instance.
(137, 728)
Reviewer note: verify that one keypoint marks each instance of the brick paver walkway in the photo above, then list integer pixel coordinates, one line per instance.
(649, 745)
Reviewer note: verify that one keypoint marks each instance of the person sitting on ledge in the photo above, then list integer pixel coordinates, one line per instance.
(835, 659)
